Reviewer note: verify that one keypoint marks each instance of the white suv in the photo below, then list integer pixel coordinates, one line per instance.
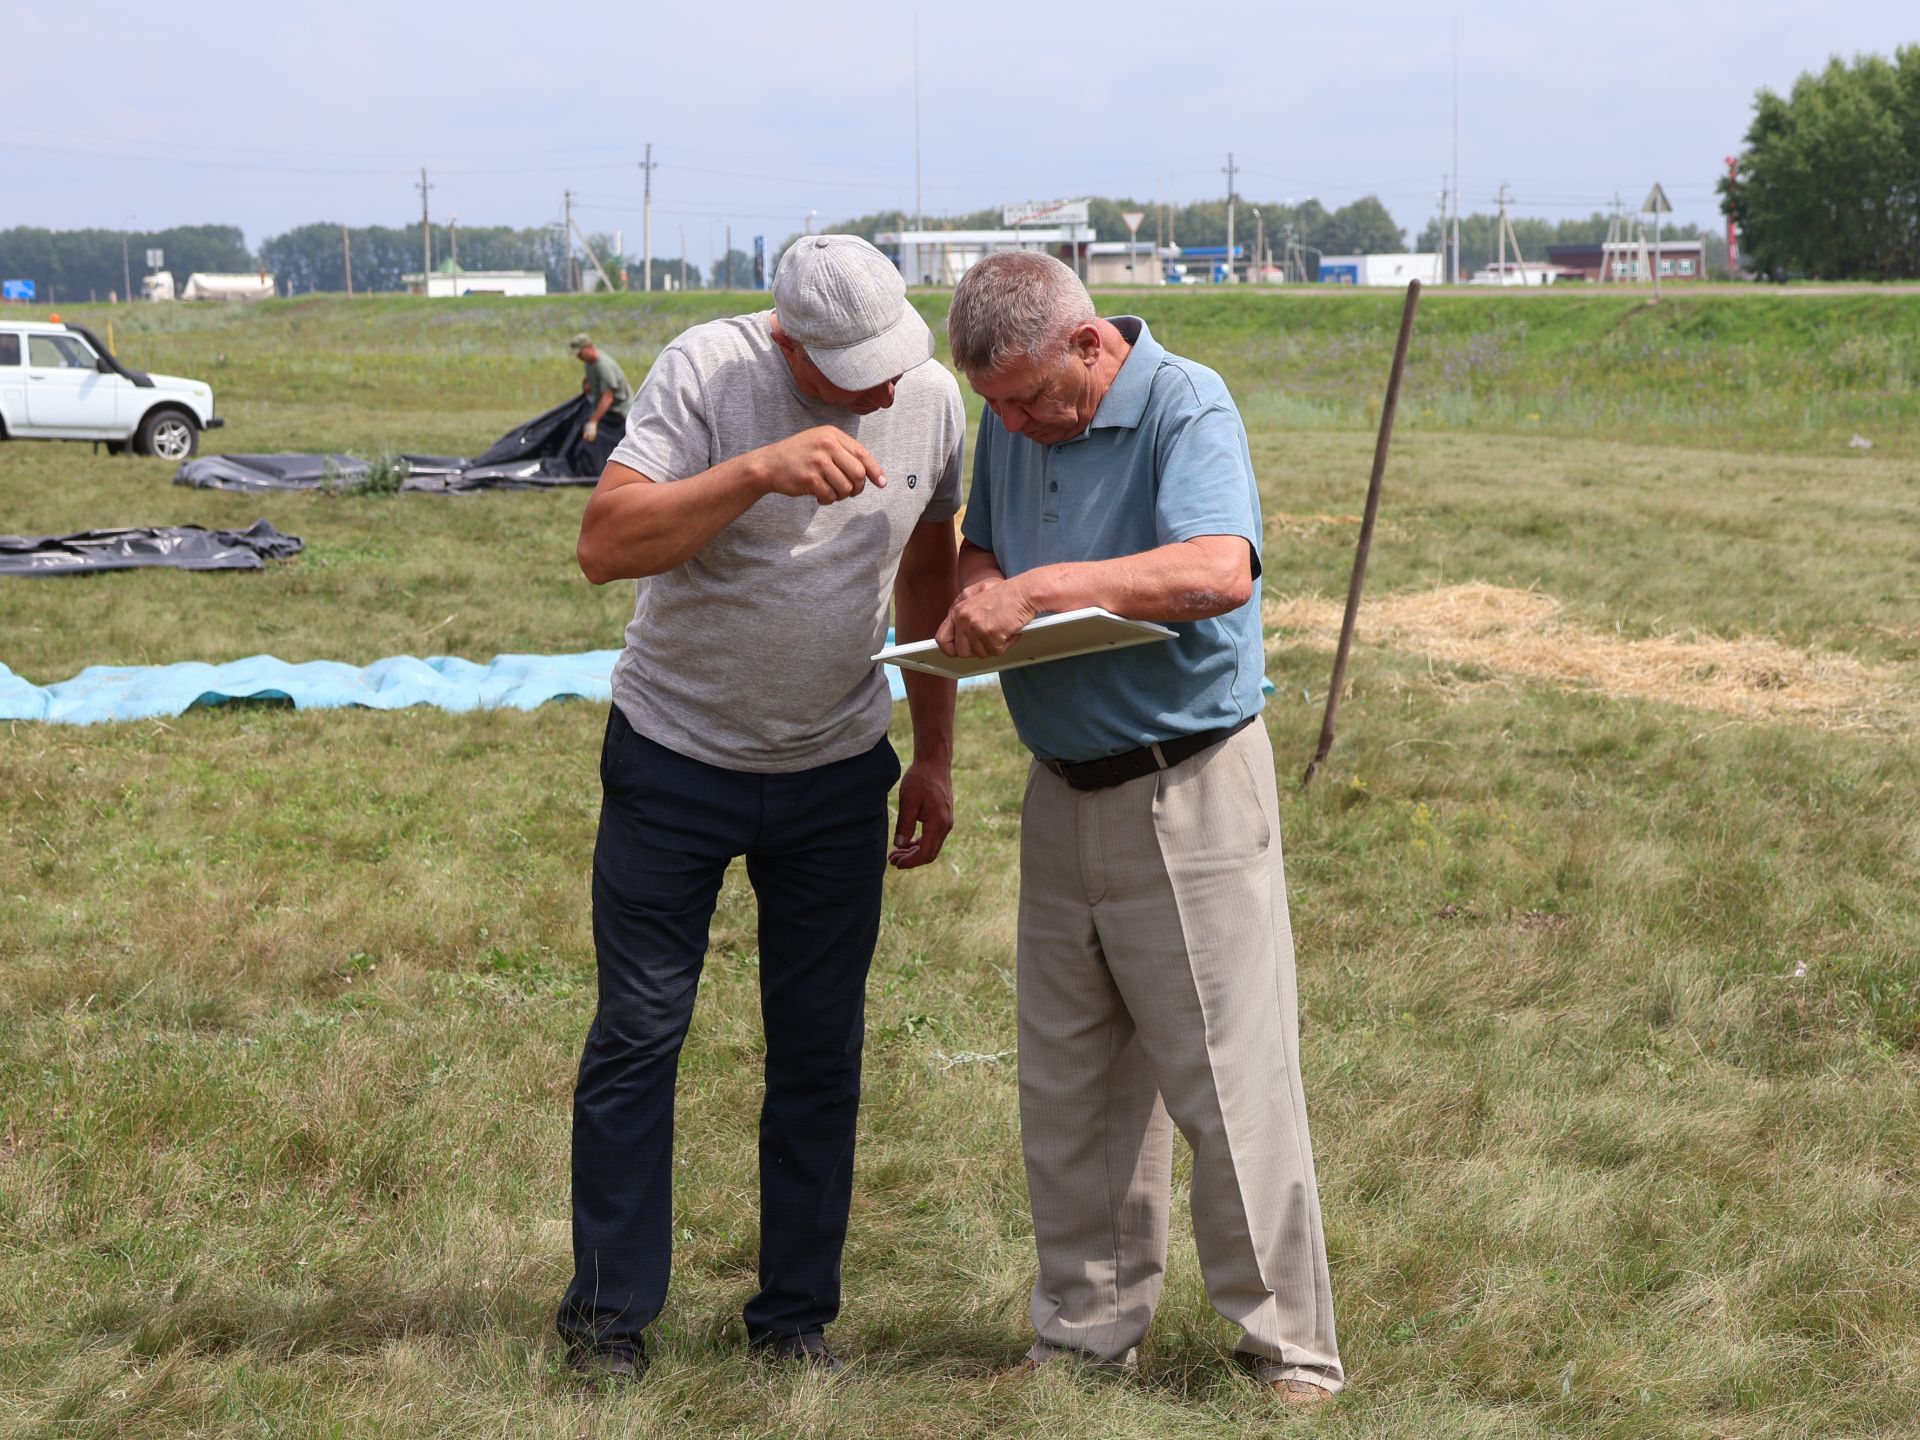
(57, 382)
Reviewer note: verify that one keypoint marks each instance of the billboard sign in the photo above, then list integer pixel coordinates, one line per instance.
(1046, 212)
(16, 289)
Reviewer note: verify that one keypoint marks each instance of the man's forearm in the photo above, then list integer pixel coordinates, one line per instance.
(977, 564)
(1188, 580)
(922, 595)
(635, 528)
(604, 404)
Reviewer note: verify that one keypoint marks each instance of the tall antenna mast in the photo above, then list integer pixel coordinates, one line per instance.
(919, 212)
(1456, 152)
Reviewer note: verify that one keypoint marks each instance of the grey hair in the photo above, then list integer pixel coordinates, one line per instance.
(1017, 304)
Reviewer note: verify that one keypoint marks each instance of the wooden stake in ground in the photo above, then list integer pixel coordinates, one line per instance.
(1366, 532)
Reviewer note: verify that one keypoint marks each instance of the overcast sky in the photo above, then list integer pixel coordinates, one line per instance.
(266, 117)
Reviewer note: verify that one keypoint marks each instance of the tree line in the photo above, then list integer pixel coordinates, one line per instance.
(1361, 228)
(72, 265)
(1827, 185)
(1480, 239)
(314, 257)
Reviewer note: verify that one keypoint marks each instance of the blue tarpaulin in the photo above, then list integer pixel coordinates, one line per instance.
(142, 692)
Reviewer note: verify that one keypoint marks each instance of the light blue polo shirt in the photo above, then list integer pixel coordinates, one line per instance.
(1164, 460)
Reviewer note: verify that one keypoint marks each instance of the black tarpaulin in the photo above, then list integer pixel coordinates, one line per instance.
(172, 547)
(269, 472)
(544, 453)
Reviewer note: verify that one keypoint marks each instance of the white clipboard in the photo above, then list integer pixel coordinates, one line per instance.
(1051, 637)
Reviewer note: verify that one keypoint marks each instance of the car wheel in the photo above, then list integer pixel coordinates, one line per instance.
(168, 435)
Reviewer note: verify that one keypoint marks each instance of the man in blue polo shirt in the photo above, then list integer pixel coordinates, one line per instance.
(1156, 979)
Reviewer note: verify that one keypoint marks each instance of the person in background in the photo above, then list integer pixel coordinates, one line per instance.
(783, 475)
(1155, 983)
(604, 383)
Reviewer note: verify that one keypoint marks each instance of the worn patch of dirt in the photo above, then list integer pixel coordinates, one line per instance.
(1523, 633)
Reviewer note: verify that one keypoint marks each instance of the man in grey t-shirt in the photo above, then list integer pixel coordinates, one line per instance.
(782, 475)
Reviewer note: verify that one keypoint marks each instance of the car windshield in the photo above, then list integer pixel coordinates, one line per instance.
(58, 352)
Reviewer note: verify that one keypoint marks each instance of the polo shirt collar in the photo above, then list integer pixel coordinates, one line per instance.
(1124, 405)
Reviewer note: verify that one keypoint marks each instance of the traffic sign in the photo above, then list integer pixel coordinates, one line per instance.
(1656, 202)
(1133, 219)
(155, 259)
(16, 289)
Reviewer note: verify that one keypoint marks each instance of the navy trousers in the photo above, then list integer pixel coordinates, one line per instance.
(816, 847)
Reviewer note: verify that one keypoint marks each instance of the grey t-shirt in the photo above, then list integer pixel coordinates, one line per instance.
(754, 654)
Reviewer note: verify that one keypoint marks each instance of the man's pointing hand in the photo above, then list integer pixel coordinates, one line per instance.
(823, 462)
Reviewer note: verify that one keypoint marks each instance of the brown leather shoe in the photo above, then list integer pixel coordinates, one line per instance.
(1299, 1392)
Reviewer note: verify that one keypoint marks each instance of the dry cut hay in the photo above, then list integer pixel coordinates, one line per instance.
(1281, 523)
(1521, 632)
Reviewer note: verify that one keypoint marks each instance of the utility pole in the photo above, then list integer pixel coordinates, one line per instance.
(683, 257)
(1259, 247)
(729, 253)
(426, 235)
(1656, 204)
(126, 268)
(566, 234)
(346, 256)
(1230, 169)
(577, 233)
(1507, 234)
(453, 242)
(1502, 271)
(646, 222)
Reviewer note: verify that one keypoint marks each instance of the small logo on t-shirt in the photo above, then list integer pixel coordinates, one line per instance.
(912, 480)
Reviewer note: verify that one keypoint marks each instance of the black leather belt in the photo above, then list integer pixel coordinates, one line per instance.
(1111, 770)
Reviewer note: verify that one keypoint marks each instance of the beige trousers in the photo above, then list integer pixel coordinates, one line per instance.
(1156, 988)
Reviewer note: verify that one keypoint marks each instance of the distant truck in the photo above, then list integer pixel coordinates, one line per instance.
(157, 286)
(204, 286)
(58, 382)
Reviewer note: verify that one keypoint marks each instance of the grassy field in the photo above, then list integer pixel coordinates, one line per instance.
(1611, 1003)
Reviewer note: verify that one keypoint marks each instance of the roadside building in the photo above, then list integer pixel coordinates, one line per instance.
(1127, 262)
(449, 280)
(1205, 264)
(1525, 273)
(941, 257)
(1631, 262)
(1394, 270)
